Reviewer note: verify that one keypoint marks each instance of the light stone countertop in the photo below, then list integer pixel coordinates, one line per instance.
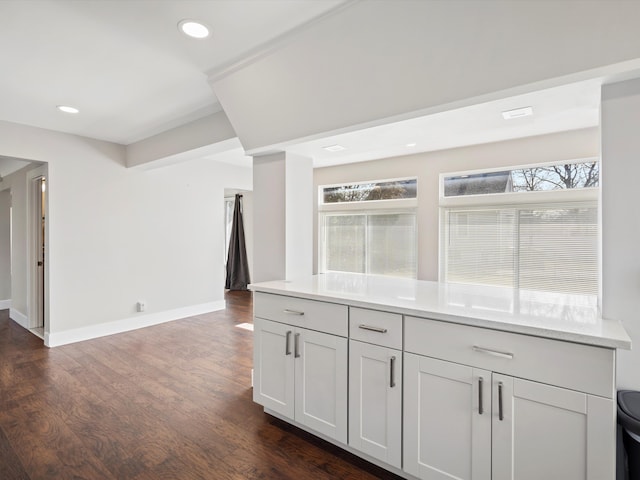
(571, 318)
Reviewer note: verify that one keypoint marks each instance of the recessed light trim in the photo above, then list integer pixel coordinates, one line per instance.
(334, 148)
(67, 109)
(193, 29)
(413, 144)
(517, 113)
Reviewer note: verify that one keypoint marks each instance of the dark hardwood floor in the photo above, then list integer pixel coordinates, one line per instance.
(171, 401)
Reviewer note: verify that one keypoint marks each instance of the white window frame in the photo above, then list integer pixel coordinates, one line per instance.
(577, 197)
(367, 207)
(518, 198)
(366, 204)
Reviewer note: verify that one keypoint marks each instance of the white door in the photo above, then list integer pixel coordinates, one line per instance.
(447, 420)
(550, 432)
(375, 401)
(37, 281)
(321, 382)
(40, 207)
(273, 367)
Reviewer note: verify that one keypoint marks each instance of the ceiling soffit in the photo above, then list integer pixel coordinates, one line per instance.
(342, 74)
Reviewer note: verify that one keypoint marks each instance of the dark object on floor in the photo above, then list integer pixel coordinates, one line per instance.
(629, 419)
(237, 264)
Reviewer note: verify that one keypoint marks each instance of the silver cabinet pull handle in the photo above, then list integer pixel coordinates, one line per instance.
(287, 349)
(373, 329)
(480, 406)
(392, 375)
(293, 312)
(296, 345)
(495, 353)
(500, 411)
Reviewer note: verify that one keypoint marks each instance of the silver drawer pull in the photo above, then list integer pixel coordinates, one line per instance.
(287, 350)
(373, 329)
(495, 353)
(296, 345)
(293, 312)
(392, 372)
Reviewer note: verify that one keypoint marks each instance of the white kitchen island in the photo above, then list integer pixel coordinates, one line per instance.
(442, 381)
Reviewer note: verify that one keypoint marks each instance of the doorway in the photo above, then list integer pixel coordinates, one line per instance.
(38, 249)
(247, 212)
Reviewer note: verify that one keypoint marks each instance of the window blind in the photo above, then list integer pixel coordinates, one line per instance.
(344, 243)
(370, 242)
(552, 247)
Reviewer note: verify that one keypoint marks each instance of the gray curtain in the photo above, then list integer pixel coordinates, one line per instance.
(237, 265)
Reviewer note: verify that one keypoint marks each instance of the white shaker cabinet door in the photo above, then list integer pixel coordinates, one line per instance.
(541, 431)
(375, 401)
(321, 382)
(273, 366)
(447, 420)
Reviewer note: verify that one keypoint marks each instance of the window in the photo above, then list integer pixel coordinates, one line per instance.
(531, 228)
(360, 235)
(368, 191)
(530, 179)
(377, 243)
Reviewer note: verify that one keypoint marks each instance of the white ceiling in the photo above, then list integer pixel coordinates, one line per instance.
(568, 107)
(124, 63)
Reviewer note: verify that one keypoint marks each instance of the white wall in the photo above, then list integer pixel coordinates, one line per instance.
(620, 219)
(5, 246)
(299, 223)
(195, 139)
(269, 218)
(282, 226)
(376, 61)
(119, 235)
(17, 182)
(247, 217)
(428, 166)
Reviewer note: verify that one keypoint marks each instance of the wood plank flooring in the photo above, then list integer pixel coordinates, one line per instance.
(171, 401)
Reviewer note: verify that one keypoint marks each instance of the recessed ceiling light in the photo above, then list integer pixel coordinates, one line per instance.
(193, 29)
(517, 112)
(67, 109)
(334, 148)
(411, 144)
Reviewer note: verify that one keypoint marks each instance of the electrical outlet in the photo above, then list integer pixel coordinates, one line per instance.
(140, 306)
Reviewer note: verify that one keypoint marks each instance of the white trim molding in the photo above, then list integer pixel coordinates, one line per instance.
(396, 204)
(65, 337)
(19, 317)
(37, 305)
(4, 304)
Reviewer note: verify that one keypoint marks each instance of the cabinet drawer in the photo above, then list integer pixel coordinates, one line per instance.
(379, 328)
(320, 316)
(579, 367)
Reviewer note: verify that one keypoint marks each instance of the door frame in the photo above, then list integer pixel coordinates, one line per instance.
(33, 224)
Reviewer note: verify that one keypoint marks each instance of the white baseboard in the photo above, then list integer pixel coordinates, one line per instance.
(19, 317)
(65, 337)
(4, 304)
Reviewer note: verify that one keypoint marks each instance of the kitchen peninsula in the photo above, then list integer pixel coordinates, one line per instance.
(432, 380)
